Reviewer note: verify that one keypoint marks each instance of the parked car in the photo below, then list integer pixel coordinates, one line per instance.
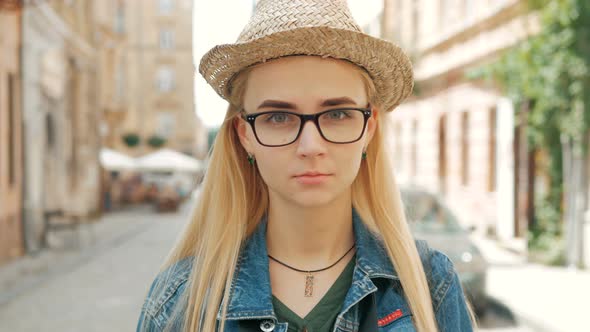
(431, 219)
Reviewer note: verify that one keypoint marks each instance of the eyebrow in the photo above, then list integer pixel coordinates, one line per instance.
(291, 106)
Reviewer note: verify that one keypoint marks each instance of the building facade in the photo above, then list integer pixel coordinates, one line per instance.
(456, 136)
(158, 79)
(11, 180)
(111, 45)
(60, 114)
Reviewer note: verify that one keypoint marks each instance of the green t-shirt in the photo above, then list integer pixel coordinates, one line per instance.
(323, 316)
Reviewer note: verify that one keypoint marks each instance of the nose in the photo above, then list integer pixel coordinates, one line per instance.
(310, 142)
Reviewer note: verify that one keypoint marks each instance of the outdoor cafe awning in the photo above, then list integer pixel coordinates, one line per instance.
(168, 160)
(116, 161)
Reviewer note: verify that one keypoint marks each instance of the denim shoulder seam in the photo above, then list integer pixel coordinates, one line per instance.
(425, 254)
(150, 318)
(445, 284)
(155, 306)
(169, 294)
(429, 262)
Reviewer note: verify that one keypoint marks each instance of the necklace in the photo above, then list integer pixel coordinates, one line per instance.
(309, 275)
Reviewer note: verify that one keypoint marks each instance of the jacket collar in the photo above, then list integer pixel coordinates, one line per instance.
(251, 294)
(372, 257)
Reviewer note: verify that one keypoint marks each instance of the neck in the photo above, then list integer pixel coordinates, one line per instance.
(310, 237)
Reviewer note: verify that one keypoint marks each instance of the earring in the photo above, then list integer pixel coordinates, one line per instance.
(251, 159)
(364, 156)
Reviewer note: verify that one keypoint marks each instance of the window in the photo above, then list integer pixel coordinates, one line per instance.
(492, 151)
(120, 83)
(442, 153)
(415, 26)
(166, 39)
(166, 123)
(464, 148)
(469, 8)
(165, 79)
(12, 156)
(50, 130)
(120, 18)
(445, 12)
(165, 7)
(398, 22)
(73, 104)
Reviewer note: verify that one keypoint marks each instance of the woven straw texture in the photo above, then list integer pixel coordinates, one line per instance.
(324, 28)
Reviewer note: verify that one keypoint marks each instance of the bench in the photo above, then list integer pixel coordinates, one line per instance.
(57, 220)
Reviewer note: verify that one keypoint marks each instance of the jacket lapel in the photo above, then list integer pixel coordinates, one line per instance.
(368, 314)
(249, 325)
(368, 322)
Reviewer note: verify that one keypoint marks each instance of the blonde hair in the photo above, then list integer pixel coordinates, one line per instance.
(234, 198)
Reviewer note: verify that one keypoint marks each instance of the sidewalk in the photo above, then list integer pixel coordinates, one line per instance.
(547, 298)
(104, 291)
(31, 270)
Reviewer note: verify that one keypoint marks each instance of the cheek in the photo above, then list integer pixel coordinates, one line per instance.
(272, 165)
(348, 164)
(352, 166)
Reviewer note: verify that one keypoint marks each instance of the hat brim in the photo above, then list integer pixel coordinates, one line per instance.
(389, 67)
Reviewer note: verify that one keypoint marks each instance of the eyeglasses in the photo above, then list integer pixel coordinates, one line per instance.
(280, 128)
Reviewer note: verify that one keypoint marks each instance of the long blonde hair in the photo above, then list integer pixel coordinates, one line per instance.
(234, 198)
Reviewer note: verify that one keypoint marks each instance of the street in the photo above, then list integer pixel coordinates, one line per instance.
(106, 291)
(102, 294)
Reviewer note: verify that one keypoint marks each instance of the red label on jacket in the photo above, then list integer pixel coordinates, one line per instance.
(390, 318)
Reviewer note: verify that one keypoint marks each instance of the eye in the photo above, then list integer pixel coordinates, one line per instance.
(337, 115)
(278, 117)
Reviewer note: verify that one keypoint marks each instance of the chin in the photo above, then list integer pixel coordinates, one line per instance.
(313, 199)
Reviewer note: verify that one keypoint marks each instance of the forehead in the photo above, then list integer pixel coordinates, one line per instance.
(304, 80)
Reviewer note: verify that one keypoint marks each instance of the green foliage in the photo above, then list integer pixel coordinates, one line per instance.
(551, 72)
(131, 139)
(546, 232)
(551, 69)
(156, 141)
(547, 249)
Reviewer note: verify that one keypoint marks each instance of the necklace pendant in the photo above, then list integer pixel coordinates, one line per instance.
(309, 285)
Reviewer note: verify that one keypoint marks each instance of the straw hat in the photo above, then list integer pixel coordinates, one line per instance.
(310, 27)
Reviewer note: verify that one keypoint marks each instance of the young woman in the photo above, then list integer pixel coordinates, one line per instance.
(299, 225)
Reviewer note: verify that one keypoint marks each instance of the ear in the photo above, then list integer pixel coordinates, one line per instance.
(244, 132)
(372, 125)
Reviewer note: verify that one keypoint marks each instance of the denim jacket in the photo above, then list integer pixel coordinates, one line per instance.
(374, 302)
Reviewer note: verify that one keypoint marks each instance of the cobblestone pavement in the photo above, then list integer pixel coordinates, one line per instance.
(104, 291)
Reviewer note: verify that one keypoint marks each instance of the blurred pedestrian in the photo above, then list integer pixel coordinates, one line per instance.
(168, 199)
(300, 225)
(151, 195)
(116, 186)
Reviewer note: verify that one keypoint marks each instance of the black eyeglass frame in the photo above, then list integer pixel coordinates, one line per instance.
(251, 119)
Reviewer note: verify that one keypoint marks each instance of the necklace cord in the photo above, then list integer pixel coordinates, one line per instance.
(311, 271)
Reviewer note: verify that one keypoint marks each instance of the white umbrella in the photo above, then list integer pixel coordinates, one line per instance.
(116, 161)
(168, 160)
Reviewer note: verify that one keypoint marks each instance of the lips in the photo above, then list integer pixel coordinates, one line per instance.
(311, 174)
(312, 178)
